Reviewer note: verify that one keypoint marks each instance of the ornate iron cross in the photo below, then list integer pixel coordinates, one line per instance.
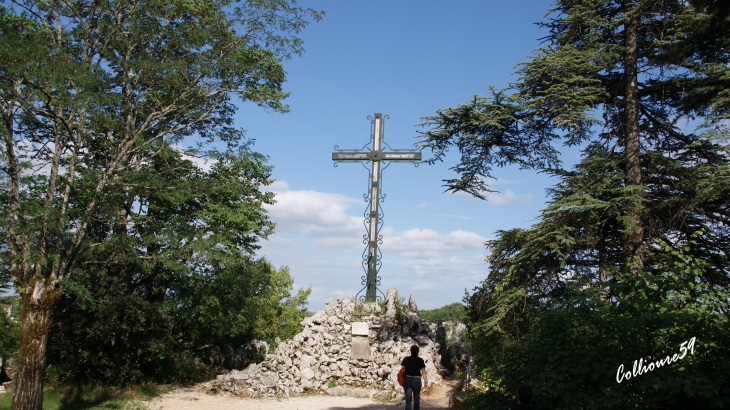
(371, 257)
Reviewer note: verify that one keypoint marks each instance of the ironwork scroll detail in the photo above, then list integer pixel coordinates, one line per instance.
(371, 256)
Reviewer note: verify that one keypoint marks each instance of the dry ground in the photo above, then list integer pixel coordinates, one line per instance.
(435, 398)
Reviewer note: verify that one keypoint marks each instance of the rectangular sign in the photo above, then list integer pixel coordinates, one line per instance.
(352, 156)
(360, 348)
(411, 156)
(360, 329)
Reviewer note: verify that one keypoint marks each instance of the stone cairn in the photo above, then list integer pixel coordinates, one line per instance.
(327, 357)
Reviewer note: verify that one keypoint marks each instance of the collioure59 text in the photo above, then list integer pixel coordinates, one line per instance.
(640, 367)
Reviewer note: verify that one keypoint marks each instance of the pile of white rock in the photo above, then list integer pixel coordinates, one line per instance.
(321, 357)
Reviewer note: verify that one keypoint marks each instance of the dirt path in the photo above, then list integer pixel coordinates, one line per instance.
(435, 398)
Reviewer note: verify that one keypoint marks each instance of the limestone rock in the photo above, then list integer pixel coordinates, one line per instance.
(422, 339)
(412, 307)
(338, 391)
(321, 354)
(307, 374)
(269, 379)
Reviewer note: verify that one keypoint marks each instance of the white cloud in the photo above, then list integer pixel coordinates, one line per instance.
(333, 243)
(468, 267)
(322, 244)
(504, 181)
(323, 216)
(427, 243)
(507, 197)
(279, 186)
(313, 213)
(423, 206)
(204, 164)
(498, 198)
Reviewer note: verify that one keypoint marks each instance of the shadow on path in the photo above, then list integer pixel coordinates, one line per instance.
(435, 398)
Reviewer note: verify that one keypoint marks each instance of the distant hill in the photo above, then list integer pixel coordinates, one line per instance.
(454, 312)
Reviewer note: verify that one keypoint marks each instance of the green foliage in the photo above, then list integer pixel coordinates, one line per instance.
(94, 396)
(175, 276)
(621, 76)
(577, 343)
(127, 97)
(573, 89)
(9, 327)
(476, 400)
(453, 312)
(359, 310)
(539, 276)
(9, 336)
(569, 343)
(237, 304)
(332, 382)
(111, 335)
(100, 95)
(281, 311)
(557, 312)
(400, 309)
(560, 309)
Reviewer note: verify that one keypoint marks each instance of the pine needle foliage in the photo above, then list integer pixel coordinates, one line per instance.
(629, 259)
(558, 312)
(626, 75)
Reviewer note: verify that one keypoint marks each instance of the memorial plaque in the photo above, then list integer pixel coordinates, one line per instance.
(360, 348)
(360, 329)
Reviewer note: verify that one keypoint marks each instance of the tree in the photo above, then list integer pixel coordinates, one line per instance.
(452, 312)
(90, 90)
(173, 273)
(555, 309)
(629, 258)
(576, 347)
(641, 63)
(111, 333)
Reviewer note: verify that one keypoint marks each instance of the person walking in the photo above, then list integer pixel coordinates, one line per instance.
(415, 371)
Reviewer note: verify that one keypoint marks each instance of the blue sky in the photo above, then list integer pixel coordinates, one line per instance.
(405, 59)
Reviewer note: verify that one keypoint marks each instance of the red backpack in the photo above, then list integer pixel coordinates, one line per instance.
(402, 376)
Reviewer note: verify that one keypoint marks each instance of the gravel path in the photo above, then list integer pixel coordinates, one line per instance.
(435, 398)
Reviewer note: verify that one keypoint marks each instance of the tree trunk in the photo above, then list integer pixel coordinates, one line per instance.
(633, 226)
(39, 299)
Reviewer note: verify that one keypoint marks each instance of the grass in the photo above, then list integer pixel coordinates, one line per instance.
(385, 400)
(91, 397)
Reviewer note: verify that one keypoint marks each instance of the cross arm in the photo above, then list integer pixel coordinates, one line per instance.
(376, 156)
(401, 156)
(350, 156)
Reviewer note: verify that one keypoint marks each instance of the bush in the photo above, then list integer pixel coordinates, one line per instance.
(573, 348)
(9, 329)
(108, 335)
(454, 312)
(476, 400)
(106, 331)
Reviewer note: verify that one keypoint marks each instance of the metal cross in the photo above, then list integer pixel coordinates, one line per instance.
(373, 213)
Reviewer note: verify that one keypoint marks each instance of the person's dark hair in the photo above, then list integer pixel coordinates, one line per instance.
(524, 393)
(414, 350)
